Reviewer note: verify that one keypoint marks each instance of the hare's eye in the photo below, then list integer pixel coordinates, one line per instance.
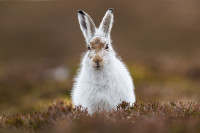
(106, 46)
(88, 47)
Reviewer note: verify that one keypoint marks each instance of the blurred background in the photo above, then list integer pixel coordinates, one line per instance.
(41, 46)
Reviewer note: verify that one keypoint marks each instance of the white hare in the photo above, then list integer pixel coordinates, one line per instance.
(103, 80)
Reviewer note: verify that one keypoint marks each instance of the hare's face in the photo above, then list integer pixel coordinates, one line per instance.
(98, 50)
(97, 39)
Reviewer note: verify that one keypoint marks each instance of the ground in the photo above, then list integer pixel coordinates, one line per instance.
(142, 117)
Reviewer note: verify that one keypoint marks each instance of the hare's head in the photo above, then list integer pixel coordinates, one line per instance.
(98, 40)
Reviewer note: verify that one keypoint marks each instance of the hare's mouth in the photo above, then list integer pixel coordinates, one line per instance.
(97, 66)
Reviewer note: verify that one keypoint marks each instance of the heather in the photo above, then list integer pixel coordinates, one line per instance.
(142, 117)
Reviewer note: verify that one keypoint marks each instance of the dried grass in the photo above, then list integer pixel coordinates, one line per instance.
(142, 117)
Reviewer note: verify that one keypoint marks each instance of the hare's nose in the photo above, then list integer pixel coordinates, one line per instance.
(97, 59)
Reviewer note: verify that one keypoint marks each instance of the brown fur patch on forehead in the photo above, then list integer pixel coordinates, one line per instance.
(97, 44)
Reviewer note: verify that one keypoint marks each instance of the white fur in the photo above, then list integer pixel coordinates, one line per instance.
(106, 87)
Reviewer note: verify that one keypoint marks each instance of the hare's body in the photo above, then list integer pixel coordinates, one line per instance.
(103, 89)
(103, 80)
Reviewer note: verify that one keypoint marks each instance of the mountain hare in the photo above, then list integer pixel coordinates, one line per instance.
(103, 80)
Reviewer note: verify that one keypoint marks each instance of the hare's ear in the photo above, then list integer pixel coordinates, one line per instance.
(107, 22)
(87, 25)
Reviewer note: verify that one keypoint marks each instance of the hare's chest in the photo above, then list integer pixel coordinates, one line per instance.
(102, 94)
(102, 99)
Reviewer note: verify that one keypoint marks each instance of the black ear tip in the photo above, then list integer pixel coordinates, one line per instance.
(111, 9)
(81, 12)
